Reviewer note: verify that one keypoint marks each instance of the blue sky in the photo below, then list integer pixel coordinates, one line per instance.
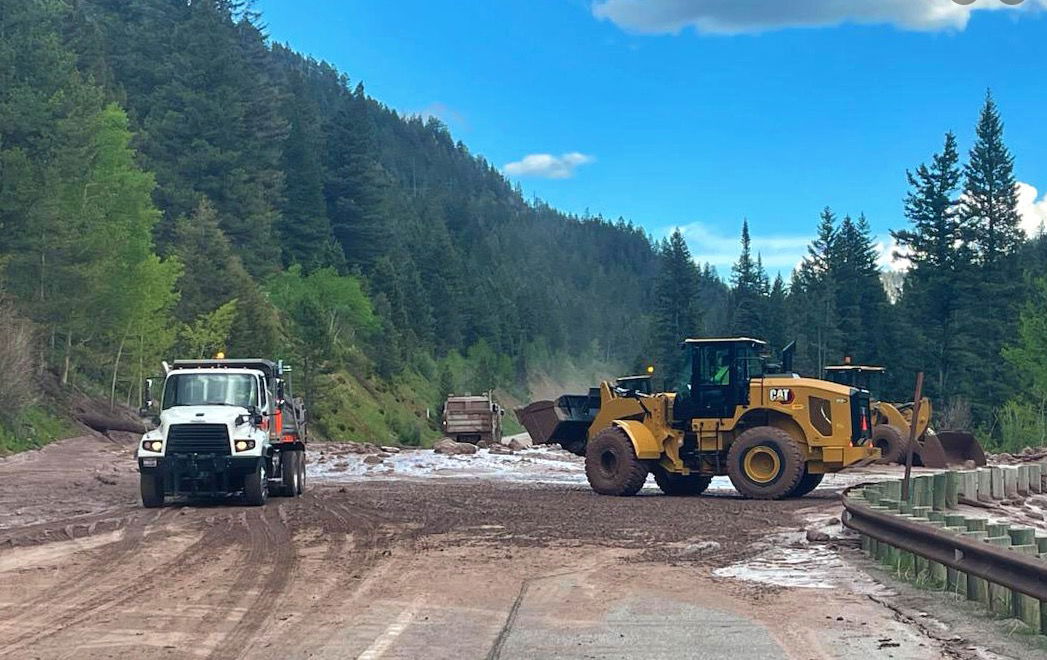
(699, 113)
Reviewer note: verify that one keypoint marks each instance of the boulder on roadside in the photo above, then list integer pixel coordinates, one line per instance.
(390, 450)
(372, 459)
(500, 449)
(451, 448)
(516, 444)
(817, 536)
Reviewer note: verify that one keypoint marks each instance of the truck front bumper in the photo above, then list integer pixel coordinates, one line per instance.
(200, 474)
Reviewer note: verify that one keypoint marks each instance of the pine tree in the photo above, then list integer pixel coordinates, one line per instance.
(931, 291)
(356, 187)
(990, 196)
(992, 292)
(677, 315)
(750, 291)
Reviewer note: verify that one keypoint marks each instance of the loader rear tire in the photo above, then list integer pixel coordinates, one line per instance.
(611, 465)
(807, 483)
(675, 484)
(765, 463)
(889, 439)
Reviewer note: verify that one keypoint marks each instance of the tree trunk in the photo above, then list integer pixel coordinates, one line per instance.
(68, 358)
(116, 371)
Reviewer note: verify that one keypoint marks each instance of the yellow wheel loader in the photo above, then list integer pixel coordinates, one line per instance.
(892, 421)
(774, 434)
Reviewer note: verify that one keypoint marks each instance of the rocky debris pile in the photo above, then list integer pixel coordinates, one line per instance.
(451, 448)
(1027, 455)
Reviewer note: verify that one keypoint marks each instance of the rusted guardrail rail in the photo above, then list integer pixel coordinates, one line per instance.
(925, 541)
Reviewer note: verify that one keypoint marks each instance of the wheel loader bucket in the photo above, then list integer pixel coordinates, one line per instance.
(941, 450)
(564, 421)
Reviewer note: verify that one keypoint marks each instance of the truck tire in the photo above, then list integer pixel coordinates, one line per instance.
(889, 439)
(675, 484)
(765, 463)
(807, 483)
(301, 471)
(611, 465)
(152, 486)
(290, 473)
(256, 486)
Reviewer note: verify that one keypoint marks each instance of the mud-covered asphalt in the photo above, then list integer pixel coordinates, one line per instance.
(401, 568)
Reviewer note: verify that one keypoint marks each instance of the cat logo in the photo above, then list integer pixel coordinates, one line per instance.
(781, 395)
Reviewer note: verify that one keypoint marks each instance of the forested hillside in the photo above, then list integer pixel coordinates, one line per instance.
(173, 184)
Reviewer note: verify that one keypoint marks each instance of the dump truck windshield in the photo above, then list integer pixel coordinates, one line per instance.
(210, 390)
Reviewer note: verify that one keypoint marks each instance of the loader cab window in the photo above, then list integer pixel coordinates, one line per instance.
(720, 379)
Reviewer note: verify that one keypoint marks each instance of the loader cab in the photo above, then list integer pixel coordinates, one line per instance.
(719, 381)
(863, 377)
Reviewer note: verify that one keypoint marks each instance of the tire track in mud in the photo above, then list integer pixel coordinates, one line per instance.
(270, 566)
(318, 624)
(94, 571)
(130, 587)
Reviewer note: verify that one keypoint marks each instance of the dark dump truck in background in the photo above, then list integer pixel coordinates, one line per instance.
(473, 419)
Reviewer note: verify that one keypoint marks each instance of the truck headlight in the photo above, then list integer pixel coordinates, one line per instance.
(153, 445)
(244, 445)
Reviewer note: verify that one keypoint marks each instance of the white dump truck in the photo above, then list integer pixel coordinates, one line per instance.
(224, 427)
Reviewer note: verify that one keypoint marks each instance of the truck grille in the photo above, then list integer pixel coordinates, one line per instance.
(198, 439)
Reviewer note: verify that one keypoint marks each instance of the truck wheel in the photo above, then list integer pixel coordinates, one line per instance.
(301, 471)
(611, 464)
(765, 463)
(256, 487)
(291, 474)
(672, 483)
(152, 486)
(889, 439)
(807, 483)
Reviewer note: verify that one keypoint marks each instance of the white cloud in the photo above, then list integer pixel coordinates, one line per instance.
(886, 246)
(1033, 210)
(779, 252)
(751, 16)
(548, 166)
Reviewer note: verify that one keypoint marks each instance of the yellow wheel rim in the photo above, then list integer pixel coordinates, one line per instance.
(762, 464)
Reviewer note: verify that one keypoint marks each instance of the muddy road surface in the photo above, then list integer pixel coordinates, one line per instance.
(408, 567)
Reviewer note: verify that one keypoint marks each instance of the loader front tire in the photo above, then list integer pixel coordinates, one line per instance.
(889, 439)
(807, 483)
(611, 465)
(682, 485)
(765, 463)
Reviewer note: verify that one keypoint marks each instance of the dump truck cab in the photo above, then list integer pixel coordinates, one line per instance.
(224, 427)
(731, 412)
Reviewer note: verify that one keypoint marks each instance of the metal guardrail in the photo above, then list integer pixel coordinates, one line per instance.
(1013, 570)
